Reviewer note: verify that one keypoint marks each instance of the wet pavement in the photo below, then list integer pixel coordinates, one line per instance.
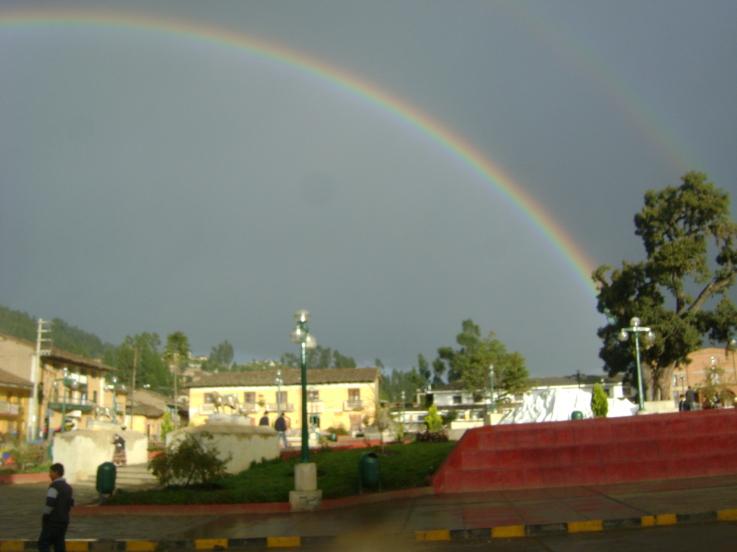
(21, 505)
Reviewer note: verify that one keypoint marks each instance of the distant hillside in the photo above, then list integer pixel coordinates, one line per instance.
(65, 336)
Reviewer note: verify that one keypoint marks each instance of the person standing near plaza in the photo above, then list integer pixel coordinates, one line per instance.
(119, 458)
(690, 398)
(280, 425)
(55, 519)
(264, 421)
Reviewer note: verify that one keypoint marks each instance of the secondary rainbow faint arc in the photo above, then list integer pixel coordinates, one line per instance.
(455, 144)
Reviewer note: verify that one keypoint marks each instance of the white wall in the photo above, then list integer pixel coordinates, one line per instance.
(244, 444)
(83, 450)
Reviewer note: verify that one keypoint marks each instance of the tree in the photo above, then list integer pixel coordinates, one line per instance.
(142, 351)
(470, 363)
(176, 355)
(221, 358)
(423, 368)
(319, 357)
(599, 401)
(691, 263)
(396, 381)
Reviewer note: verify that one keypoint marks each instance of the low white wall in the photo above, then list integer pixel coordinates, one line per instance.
(660, 407)
(244, 444)
(83, 450)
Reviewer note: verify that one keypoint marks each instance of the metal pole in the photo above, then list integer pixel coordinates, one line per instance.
(63, 404)
(305, 457)
(639, 370)
(491, 385)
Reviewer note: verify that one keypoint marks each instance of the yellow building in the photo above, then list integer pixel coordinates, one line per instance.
(14, 395)
(68, 385)
(148, 413)
(336, 397)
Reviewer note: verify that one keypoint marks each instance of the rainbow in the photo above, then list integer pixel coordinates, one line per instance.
(453, 144)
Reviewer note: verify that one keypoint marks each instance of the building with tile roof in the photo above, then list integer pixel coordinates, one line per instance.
(336, 397)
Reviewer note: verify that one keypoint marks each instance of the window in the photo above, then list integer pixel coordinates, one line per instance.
(281, 398)
(249, 397)
(209, 398)
(313, 395)
(315, 421)
(354, 395)
(457, 399)
(94, 397)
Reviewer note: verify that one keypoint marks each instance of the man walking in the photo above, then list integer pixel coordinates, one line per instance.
(55, 519)
(281, 429)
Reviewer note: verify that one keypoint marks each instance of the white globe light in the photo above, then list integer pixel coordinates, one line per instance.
(297, 335)
(623, 336)
(310, 342)
(302, 316)
(634, 322)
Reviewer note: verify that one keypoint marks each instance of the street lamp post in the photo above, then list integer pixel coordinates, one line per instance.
(115, 400)
(732, 346)
(636, 330)
(401, 418)
(67, 383)
(301, 335)
(278, 382)
(491, 388)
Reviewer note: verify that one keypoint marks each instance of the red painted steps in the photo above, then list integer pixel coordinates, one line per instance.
(599, 451)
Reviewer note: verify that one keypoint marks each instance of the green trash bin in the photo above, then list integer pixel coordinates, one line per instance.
(105, 482)
(576, 415)
(368, 472)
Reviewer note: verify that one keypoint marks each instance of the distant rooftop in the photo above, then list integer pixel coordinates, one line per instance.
(290, 376)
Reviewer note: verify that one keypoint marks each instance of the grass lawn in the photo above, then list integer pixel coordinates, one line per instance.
(400, 466)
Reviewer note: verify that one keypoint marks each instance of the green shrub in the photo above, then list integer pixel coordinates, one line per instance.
(189, 462)
(29, 456)
(433, 420)
(599, 402)
(167, 425)
(340, 430)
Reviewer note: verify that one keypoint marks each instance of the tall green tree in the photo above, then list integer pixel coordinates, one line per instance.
(176, 356)
(144, 351)
(319, 357)
(423, 368)
(680, 289)
(469, 363)
(221, 357)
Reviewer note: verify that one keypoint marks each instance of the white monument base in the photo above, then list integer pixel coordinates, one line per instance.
(305, 496)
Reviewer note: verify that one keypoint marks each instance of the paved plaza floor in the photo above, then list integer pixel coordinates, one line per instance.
(21, 512)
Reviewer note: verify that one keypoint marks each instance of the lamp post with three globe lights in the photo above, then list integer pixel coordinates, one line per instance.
(635, 329)
(306, 495)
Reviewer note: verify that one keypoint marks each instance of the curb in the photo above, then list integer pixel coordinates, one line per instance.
(247, 508)
(24, 478)
(433, 535)
(572, 527)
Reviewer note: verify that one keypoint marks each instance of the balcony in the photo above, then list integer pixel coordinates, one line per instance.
(354, 404)
(315, 407)
(281, 407)
(83, 405)
(9, 410)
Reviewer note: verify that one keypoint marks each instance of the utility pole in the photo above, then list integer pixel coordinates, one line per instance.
(43, 348)
(133, 383)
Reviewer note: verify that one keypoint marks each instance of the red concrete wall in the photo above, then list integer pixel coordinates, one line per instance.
(587, 452)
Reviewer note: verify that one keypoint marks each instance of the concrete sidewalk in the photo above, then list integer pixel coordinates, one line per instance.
(426, 517)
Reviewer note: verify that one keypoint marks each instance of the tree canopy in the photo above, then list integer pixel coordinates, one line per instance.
(470, 363)
(680, 288)
(221, 358)
(151, 370)
(320, 357)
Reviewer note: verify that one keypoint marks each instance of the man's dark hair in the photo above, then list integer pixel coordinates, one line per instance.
(57, 468)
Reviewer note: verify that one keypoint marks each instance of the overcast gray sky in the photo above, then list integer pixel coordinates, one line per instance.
(153, 180)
